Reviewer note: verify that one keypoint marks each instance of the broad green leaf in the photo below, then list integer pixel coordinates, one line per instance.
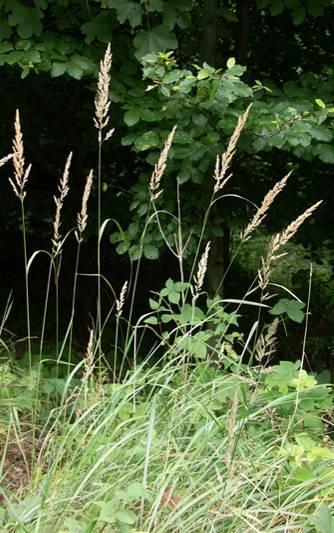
(174, 297)
(131, 117)
(326, 153)
(298, 15)
(99, 28)
(151, 320)
(58, 69)
(27, 20)
(277, 8)
(153, 304)
(292, 308)
(165, 319)
(126, 517)
(128, 11)
(107, 512)
(156, 39)
(5, 30)
(155, 5)
(151, 251)
(323, 520)
(6, 47)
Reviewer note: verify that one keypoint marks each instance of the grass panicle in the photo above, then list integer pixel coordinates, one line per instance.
(102, 101)
(277, 242)
(160, 166)
(224, 161)
(63, 190)
(82, 217)
(261, 213)
(21, 172)
(201, 271)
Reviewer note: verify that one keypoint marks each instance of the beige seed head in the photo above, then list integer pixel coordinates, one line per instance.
(276, 242)
(265, 346)
(201, 270)
(160, 166)
(63, 189)
(89, 358)
(83, 216)
(290, 231)
(121, 301)
(21, 174)
(261, 213)
(224, 161)
(102, 102)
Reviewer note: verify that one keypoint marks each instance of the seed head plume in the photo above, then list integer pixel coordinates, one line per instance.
(83, 216)
(121, 301)
(201, 270)
(224, 161)
(102, 102)
(63, 189)
(276, 243)
(261, 213)
(21, 174)
(89, 358)
(160, 166)
(265, 346)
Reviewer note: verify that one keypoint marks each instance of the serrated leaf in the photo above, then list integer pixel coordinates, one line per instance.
(99, 28)
(157, 39)
(27, 20)
(127, 11)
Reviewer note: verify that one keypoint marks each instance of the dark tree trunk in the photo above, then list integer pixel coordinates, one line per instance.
(243, 31)
(209, 33)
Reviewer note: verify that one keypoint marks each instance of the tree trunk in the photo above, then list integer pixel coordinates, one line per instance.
(209, 33)
(243, 31)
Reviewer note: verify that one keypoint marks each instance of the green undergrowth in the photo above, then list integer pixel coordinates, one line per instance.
(172, 448)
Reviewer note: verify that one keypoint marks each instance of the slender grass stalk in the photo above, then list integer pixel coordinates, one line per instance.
(101, 120)
(18, 183)
(82, 219)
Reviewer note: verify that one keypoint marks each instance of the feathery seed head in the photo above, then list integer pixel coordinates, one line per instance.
(224, 161)
(201, 270)
(82, 217)
(63, 189)
(262, 211)
(102, 102)
(160, 166)
(21, 174)
(120, 302)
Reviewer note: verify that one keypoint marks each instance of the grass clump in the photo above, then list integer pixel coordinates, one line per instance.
(172, 428)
